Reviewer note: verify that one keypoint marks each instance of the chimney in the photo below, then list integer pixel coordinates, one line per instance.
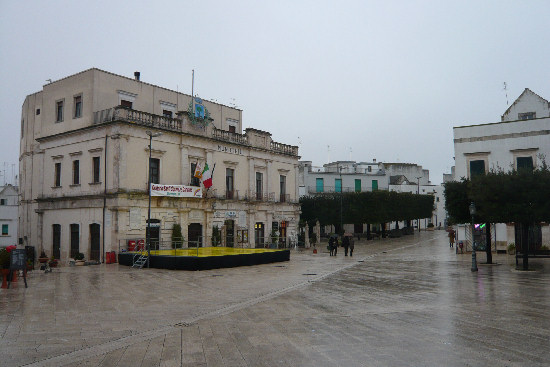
(136, 75)
(374, 160)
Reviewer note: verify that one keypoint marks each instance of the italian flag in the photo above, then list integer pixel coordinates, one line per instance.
(206, 176)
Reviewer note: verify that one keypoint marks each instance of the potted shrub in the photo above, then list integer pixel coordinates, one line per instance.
(177, 236)
(511, 248)
(53, 262)
(79, 259)
(43, 258)
(216, 236)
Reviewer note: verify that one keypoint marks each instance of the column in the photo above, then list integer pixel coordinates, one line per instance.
(185, 169)
(251, 228)
(251, 181)
(296, 183)
(268, 177)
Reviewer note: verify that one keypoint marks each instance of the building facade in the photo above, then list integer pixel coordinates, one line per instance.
(9, 201)
(85, 164)
(520, 140)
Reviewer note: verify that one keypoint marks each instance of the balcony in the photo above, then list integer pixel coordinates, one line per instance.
(137, 117)
(181, 124)
(229, 136)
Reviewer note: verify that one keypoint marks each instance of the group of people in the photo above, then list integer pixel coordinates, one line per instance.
(347, 244)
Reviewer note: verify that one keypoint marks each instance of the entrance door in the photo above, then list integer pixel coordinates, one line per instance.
(154, 235)
(194, 233)
(94, 241)
(75, 240)
(259, 234)
(282, 237)
(229, 233)
(56, 241)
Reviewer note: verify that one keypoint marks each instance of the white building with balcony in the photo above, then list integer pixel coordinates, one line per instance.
(84, 168)
(520, 140)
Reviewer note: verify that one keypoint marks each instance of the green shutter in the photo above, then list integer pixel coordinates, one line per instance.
(357, 185)
(374, 185)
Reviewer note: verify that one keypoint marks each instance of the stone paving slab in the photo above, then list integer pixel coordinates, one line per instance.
(401, 302)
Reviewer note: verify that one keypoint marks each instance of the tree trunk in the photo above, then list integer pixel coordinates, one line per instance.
(488, 245)
(525, 245)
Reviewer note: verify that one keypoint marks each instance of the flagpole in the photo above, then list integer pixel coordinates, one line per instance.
(213, 169)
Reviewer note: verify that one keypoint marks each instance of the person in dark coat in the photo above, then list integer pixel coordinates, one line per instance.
(335, 245)
(351, 247)
(331, 245)
(345, 244)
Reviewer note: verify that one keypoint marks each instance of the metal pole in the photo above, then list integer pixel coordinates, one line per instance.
(148, 236)
(341, 195)
(474, 262)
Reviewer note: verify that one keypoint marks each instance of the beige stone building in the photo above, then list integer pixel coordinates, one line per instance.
(84, 169)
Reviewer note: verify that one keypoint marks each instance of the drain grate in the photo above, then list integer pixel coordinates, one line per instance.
(279, 266)
(309, 274)
(217, 275)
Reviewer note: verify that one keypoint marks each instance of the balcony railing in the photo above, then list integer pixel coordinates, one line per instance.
(120, 113)
(284, 148)
(137, 117)
(229, 136)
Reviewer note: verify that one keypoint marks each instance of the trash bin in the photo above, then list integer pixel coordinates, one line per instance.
(131, 245)
(113, 257)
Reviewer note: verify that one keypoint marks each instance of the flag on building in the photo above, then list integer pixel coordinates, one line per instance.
(198, 171)
(206, 176)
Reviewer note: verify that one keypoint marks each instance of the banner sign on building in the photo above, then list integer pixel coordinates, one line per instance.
(179, 191)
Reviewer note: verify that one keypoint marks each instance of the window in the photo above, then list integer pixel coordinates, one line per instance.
(77, 107)
(59, 111)
(56, 240)
(357, 185)
(369, 169)
(437, 199)
(155, 170)
(524, 163)
(57, 182)
(76, 172)
(125, 103)
(22, 127)
(374, 185)
(527, 116)
(319, 185)
(232, 129)
(282, 186)
(195, 181)
(259, 185)
(4, 229)
(95, 169)
(229, 182)
(38, 111)
(337, 185)
(477, 167)
(167, 113)
(3, 202)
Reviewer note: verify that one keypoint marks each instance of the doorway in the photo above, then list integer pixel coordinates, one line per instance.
(229, 233)
(75, 240)
(153, 233)
(259, 234)
(94, 241)
(56, 241)
(194, 234)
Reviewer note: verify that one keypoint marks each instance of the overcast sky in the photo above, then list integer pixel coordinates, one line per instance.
(385, 79)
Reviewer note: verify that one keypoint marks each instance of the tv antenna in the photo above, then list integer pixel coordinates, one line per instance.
(506, 92)
(328, 153)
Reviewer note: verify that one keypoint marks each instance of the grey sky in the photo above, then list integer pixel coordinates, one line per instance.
(388, 79)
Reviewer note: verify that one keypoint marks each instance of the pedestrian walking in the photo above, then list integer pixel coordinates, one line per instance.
(331, 245)
(335, 245)
(345, 244)
(451, 238)
(351, 246)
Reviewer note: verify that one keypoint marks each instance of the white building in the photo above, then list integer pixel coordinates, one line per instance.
(9, 201)
(84, 168)
(521, 139)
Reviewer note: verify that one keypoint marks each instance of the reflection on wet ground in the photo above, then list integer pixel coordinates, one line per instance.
(401, 302)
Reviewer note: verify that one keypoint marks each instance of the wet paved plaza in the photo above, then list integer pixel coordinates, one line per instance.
(397, 302)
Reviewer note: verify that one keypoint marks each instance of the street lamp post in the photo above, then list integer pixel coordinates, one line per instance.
(472, 213)
(148, 236)
(418, 193)
(341, 194)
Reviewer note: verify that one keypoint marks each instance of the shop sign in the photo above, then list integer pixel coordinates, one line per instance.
(230, 150)
(179, 191)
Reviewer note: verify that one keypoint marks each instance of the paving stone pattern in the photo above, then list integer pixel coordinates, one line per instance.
(398, 302)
